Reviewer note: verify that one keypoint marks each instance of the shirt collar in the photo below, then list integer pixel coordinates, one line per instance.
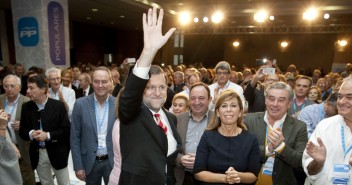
(278, 123)
(7, 102)
(41, 106)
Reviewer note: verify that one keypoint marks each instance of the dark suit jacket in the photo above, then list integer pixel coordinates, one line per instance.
(144, 145)
(255, 98)
(182, 125)
(116, 90)
(79, 92)
(295, 134)
(55, 121)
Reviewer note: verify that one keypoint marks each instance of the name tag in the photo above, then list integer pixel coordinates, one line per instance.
(269, 166)
(101, 141)
(340, 174)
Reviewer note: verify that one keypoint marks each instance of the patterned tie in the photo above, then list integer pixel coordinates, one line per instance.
(160, 123)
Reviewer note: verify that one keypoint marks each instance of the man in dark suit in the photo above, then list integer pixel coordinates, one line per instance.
(190, 126)
(281, 137)
(148, 136)
(20, 72)
(116, 79)
(93, 118)
(44, 122)
(12, 101)
(84, 86)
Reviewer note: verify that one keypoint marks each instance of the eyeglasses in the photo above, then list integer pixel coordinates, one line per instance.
(9, 86)
(55, 79)
(153, 88)
(222, 73)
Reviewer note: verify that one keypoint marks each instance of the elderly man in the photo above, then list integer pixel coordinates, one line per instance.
(44, 122)
(148, 137)
(327, 158)
(313, 114)
(222, 74)
(281, 137)
(116, 82)
(58, 91)
(190, 126)
(13, 101)
(84, 85)
(179, 81)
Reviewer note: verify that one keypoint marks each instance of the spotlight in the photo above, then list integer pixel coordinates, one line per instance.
(284, 44)
(326, 16)
(205, 19)
(217, 17)
(261, 16)
(236, 43)
(184, 18)
(342, 43)
(310, 14)
(271, 17)
(196, 19)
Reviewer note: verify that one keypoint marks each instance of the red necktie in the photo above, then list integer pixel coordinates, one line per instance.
(160, 123)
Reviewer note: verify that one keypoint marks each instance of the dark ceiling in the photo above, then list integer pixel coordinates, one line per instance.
(126, 14)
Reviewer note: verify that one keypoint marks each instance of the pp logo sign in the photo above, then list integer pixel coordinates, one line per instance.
(28, 31)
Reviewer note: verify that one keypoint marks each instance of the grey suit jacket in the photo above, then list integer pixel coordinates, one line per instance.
(84, 136)
(23, 146)
(295, 134)
(182, 125)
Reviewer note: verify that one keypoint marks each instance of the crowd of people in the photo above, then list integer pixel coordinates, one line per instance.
(186, 125)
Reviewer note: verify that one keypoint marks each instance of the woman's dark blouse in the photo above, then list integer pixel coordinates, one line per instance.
(216, 153)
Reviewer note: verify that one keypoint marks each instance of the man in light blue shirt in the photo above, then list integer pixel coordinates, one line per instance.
(313, 114)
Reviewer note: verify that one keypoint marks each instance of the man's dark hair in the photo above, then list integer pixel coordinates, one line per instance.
(156, 70)
(40, 80)
(203, 85)
(332, 98)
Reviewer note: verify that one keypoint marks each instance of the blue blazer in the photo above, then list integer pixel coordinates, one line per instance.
(84, 135)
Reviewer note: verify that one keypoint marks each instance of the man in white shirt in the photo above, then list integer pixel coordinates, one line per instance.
(58, 91)
(327, 158)
(222, 74)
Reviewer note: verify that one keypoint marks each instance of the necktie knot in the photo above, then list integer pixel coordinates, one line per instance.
(160, 123)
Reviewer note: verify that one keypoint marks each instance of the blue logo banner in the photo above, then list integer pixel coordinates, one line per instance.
(28, 33)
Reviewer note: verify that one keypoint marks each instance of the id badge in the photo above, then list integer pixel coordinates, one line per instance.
(340, 174)
(269, 166)
(101, 141)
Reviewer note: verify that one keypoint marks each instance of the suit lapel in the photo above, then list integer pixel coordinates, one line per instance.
(150, 124)
(111, 118)
(18, 110)
(287, 128)
(183, 128)
(90, 105)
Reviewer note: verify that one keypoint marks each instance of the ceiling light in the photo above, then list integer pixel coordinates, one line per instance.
(342, 43)
(310, 14)
(284, 44)
(184, 18)
(196, 19)
(261, 16)
(180, 4)
(236, 43)
(271, 17)
(326, 16)
(95, 9)
(122, 16)
(205, 19)
(217, 17)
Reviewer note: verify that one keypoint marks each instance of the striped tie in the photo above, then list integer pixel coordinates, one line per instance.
(160, 123)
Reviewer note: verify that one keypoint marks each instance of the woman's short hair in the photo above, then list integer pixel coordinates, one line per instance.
(181, 96)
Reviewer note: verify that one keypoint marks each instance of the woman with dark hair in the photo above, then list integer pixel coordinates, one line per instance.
(227, 152)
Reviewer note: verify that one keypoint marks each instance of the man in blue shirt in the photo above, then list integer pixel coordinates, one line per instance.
(313, 114)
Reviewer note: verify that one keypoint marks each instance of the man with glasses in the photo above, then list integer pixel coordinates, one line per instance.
(93, 118)
(58, 92)
(12, 101)
(148, 137)
(222, 74)
(190, 126)
(254, 92)
(281, 137)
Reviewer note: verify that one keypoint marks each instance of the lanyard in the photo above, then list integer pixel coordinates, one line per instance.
(100, 119)
(294, 105)
(14, 106)
(344, 143)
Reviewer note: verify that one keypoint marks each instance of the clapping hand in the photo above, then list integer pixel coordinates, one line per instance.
(318, 152)
(275, 138)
